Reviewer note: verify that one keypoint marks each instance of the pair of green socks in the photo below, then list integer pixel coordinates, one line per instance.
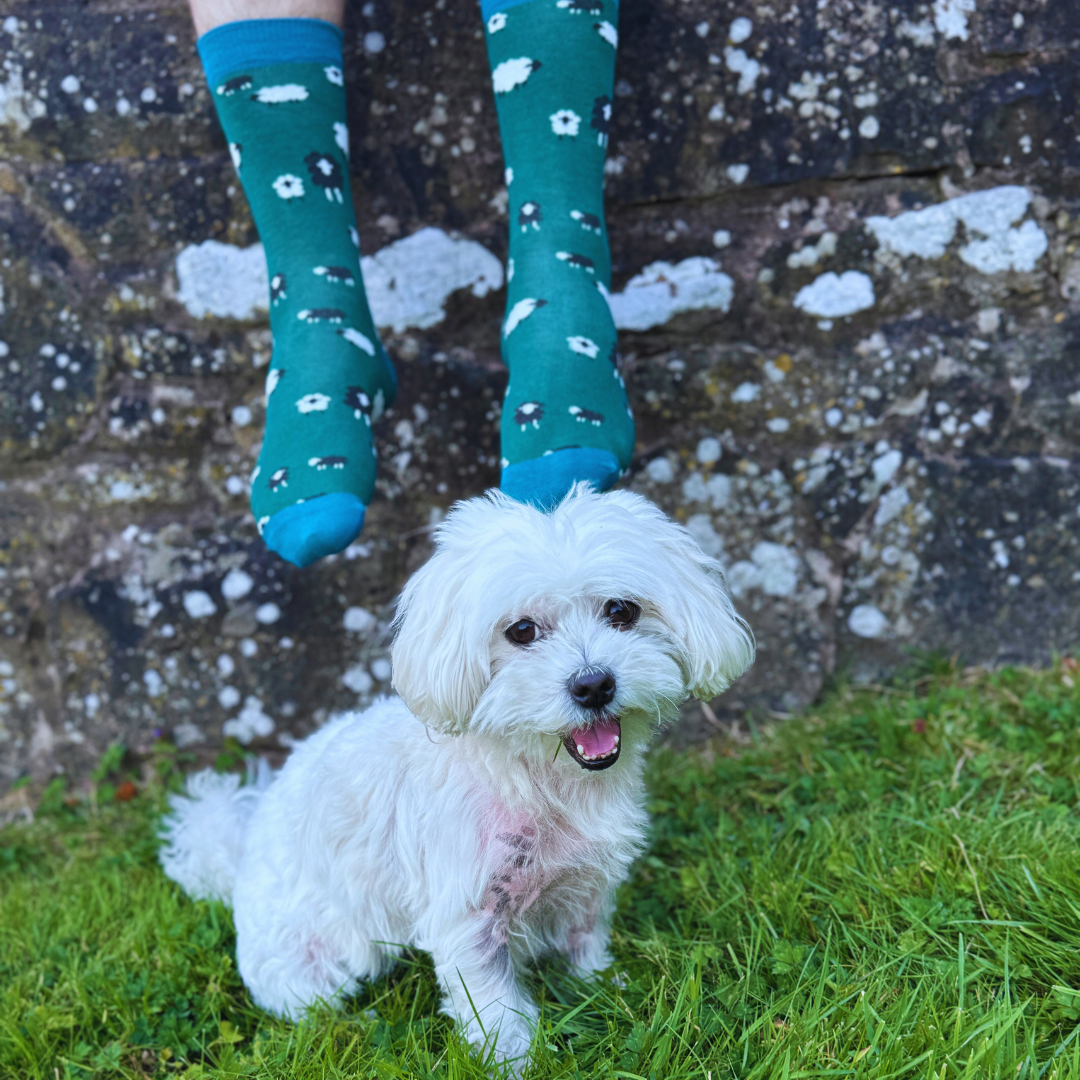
(279, 91)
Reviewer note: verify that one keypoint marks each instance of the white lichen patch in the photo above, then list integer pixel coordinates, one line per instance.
(198, 604)
(891, 506)
(994, 244)
(951, 18)
(358, 620)
(867, 621)
(921, 33)
(663, 290)
(358, 679)
(660, 471)
(700, 527)
(252, 722)
(811, 254)
(716, 491)
(18, 106)
(408, 282)
(237, 584)
(222, 280)
(772, 568)
(740, 29)
(886, 465)
(744, 66)
(925, 233)
(1015, 249)
(831, 295)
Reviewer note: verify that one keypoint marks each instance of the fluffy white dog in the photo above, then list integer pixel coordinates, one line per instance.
(489, 814)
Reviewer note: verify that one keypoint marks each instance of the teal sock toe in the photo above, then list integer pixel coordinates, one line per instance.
(309, 530)
(543, 481)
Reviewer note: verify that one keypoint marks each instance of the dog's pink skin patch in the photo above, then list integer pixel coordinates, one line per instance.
(598, 740)
(524, 860)
(515, 885)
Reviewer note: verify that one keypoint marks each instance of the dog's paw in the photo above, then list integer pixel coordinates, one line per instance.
(512, 1044)
(507, 1043)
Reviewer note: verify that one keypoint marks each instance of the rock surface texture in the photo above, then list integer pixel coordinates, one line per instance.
(845, 240)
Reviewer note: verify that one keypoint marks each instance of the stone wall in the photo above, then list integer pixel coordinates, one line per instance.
(845, 248)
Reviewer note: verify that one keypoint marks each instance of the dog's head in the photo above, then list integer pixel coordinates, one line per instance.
(587, 625)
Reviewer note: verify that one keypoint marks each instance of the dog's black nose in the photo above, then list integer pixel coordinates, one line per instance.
(593, 688)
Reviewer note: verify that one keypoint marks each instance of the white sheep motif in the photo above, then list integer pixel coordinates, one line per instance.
(512, 73)
(277, 95)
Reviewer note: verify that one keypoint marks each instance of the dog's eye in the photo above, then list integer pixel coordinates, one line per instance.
(622, 614)
(523, 632)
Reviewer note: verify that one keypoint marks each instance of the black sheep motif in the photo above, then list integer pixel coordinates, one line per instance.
(589, 222)
(321, 314)
(582, 262)
(529, 412)
(357, 400)
(332, 462)
(338, 274)
(277, 288)
(601, 119)
(530, 214)
(279, 478)
(234, 85)
(586, 416)
(325, 173)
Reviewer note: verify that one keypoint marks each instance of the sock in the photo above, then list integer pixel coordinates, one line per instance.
(565, 416)
(278, 87)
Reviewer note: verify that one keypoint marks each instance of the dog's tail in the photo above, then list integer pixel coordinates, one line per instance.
(204, 832)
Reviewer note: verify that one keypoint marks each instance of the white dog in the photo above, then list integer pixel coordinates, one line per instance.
(489, 815)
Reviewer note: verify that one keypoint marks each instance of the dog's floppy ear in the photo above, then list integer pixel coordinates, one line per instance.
(695, 603)
(441, 650)
(719, 644)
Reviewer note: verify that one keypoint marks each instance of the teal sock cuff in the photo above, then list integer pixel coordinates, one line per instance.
(255, 43)
(489, 7)
(544, 481)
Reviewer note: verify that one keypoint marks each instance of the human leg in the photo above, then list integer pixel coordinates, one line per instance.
(278, 87)
(207, 14)
(565, 417)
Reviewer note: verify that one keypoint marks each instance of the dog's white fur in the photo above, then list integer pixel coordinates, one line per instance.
(477, 839)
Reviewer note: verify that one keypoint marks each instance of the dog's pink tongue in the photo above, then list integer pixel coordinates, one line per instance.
(598, 739)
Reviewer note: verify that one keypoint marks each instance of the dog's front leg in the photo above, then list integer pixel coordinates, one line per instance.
(475, 967)
(587, 936)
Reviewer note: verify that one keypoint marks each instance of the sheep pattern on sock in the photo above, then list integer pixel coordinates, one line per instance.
(553, 70)
(329, 377)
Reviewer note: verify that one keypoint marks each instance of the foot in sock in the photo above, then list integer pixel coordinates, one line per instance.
(565, 416)
(279, 91)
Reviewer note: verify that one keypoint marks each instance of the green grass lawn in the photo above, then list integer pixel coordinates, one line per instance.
(888, 887)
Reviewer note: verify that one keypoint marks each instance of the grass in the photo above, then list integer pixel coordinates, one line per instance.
(889, 887)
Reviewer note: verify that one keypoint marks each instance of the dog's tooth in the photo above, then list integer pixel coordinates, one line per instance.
(581, 750)
(616, 740)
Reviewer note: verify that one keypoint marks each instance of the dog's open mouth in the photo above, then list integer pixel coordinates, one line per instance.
(595, 746)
